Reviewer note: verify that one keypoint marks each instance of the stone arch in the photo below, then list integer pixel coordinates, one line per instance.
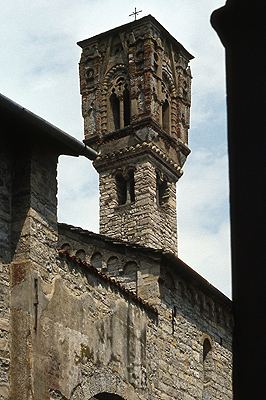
(107, 396)
(66, 246)
(125, 185)
(116, 103)
(96, 260)
(113, 265)
(81, 254)
(130, 275)
(104, 381)
(207, 358)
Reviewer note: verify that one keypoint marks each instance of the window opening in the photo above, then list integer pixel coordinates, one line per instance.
(162, 191)
(125, 186)
(165, 119)
(115, 109)
(207, 361)
(121, 188)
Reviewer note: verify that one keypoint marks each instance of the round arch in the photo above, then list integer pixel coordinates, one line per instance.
(107, 396)
(104, 384)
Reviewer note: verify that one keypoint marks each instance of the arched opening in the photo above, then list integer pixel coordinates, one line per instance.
(65, 246)
(115, 110)
(96, 260)
(121, 189)
(107, 396)
(130, 276)
(162, 191)
(81, 254)
(119, 103)
(125, 186)
(166, 116)
(112, 265)
(207, 361)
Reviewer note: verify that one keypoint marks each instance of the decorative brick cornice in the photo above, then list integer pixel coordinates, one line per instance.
(125, 292)
(138, 150)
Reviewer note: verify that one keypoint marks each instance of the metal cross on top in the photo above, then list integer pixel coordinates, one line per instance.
(135, 13)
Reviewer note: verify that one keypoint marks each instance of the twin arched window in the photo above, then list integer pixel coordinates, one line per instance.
(120, 104)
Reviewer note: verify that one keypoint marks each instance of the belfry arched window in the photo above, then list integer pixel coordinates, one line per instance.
(115, 110)
(119, 104)
(125, 186)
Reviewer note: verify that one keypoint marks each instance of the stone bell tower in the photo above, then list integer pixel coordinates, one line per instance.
(136, 89)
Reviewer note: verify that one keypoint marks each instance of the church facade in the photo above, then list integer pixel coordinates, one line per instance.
(115, 315)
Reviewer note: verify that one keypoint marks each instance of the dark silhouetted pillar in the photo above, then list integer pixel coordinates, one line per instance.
(241, 27)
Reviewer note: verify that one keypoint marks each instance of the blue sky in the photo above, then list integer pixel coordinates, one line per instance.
(39, 70)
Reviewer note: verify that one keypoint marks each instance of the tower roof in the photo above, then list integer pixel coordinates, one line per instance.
(149, 19)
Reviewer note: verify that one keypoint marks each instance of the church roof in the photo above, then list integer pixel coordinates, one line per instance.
(126, 292)
(167, 258)
(134, 24)
(31, 125)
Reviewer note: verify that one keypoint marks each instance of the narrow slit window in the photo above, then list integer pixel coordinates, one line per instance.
(165, 112)
(162, 191)
(115, 110)
(121, 188)
(207, 361)
(125, 186)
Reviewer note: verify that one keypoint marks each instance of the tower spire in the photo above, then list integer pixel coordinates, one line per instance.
(135, 86)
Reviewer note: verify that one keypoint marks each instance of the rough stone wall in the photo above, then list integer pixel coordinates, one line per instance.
(187, 316)
(34, 241)
(5, 255)
(194, 317)
(34, 206)
(93, 338)
(143, 221)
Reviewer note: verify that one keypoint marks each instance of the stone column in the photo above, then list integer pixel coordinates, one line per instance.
(241, 27)
(34, 241)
